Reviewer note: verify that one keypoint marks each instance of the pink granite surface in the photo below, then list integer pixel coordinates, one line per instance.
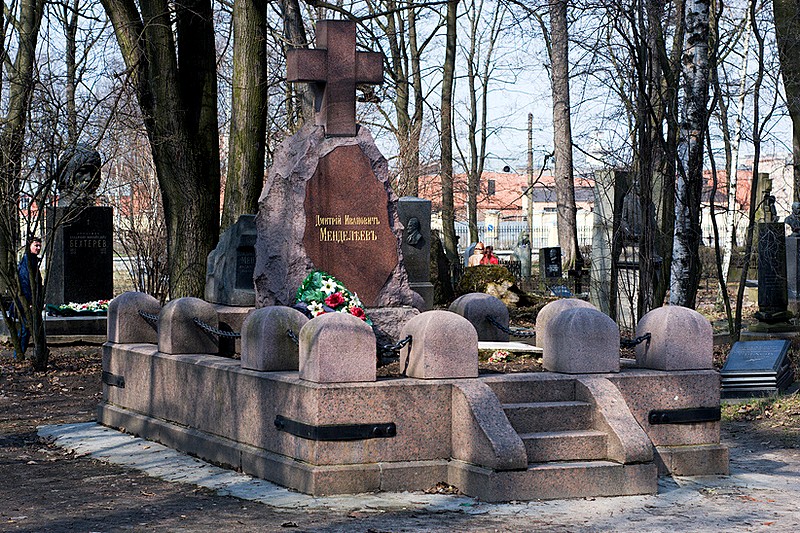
(444, 345)
(627, 441)
(233, 317)
(481, 433)
(646, 390)
(555, 481)
(436, 420)
(475, 307)
(178, 334)
(337, 348)
(552, 310)
(681, 339)
(266, 345)
(580, 340)
(694, 460)
(125, 325)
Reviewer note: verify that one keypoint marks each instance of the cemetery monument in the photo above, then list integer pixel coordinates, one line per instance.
(304, 408)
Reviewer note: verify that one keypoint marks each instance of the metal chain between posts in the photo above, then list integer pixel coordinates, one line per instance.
(216, 331)
(150, 318)
(515, 332)
(631, 343)
(292, 335)
(396, 347)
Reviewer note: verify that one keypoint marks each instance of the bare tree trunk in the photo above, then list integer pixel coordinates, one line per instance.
(19, 78)
(664, 163)
(787, 35)
(295, 34)
(685, 274)
(733, 163)
(448, 208)
(562, 136)
(248, 110)
(173, 68)
(757, 125)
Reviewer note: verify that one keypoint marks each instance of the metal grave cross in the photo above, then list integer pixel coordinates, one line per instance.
(334, 68)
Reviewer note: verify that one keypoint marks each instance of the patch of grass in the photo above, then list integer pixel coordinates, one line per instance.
(774, 410)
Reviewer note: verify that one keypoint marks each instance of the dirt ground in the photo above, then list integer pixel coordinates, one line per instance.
(44, 488)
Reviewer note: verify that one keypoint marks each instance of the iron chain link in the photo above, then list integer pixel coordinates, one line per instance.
(150, 318)
(515, 332)
(216, 331)
(631, 343)
(292, 335)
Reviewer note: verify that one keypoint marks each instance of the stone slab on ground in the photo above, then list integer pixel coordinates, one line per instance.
(760, 494)
(512, 346)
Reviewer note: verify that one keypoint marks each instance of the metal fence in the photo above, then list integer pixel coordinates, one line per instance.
(506, 235)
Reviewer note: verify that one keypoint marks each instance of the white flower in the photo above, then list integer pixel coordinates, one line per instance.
(315, 308)
(355, 302)
(328, 286)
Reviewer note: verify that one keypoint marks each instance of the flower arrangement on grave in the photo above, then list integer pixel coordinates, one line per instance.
(322, 293)
(500, 356)
(97, 307)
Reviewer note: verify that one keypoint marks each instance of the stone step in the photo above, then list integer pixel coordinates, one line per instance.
(572, 445)
(547, 481)
(534, 417)
(542, 389)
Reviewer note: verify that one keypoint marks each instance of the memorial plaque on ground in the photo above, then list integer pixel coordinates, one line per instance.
(755, 368)
(82, 268)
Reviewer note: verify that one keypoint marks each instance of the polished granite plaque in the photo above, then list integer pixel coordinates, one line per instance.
(751, 357)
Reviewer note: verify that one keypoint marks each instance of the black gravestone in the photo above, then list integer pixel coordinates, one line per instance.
(415, 215)
(772, 283)
(245, 262)
(550, 262)
(230, 266)
(756, 368)
(82, 258)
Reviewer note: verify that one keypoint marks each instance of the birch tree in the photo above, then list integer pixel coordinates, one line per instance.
(685, 272)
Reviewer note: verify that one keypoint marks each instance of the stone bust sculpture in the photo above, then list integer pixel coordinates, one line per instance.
(794, 219)
(78, 175)
(413, 232)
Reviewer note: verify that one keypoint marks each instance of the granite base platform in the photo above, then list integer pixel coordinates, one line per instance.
(496, 437)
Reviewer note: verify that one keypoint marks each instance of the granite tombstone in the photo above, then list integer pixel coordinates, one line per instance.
(82, 257)
(415, 215)
(327, 203)
(230, 266)
(772, 283)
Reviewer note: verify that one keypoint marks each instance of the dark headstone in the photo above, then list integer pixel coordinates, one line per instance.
(792, 271)
(347, 223)
(757, 368)
(82, 257)
(550, 262)
(772, 284)
(230, 267)
(415, 215)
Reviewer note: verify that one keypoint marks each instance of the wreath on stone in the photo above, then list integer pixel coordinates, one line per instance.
(322, 293)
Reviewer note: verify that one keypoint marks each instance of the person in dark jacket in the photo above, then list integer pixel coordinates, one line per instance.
(28, 270)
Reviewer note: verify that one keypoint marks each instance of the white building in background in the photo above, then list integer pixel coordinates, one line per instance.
(503, 203)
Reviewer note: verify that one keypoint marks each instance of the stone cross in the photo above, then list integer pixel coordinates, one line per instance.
(334, 68)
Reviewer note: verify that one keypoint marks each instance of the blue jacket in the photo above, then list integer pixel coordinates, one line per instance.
(24, 276)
